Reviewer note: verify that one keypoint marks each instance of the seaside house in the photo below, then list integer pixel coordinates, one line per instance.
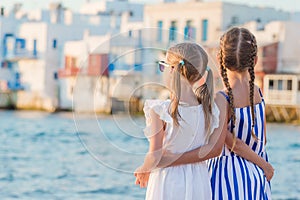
(11, 49)
(204, 22)
(279, 69)
(282, 89)
(100, 69)
(39, 35)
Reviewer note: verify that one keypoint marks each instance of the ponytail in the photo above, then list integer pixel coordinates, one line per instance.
(176, 86)
(204, 95)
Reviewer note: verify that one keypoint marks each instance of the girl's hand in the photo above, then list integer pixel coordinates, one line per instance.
(142, 177)
(268, 171)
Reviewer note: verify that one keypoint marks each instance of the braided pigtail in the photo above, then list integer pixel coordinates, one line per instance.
(251, 84)
(230, 94)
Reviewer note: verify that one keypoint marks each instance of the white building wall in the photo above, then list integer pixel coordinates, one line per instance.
(34, 30)
(80, 50)
(33, 71)
(243, 14)
(7, 26)
(220, 16)
(66, 91)
(279, 94)
(285, 33)
(290, 49)
(33, 75)
(182, 12)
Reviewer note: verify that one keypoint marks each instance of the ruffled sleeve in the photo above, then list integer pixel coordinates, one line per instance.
(160, 107)
(215, 118)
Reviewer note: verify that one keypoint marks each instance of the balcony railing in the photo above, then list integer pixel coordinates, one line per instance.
(20, 55)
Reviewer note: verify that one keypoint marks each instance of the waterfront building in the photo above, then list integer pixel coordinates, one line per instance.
(33, 46)
(203, 21)
(99, 69)
(121, 42)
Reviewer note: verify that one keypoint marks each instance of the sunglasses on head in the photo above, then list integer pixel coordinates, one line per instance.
(162, 65)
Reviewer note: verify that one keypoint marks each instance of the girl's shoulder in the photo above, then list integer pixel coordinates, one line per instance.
(156, 102)
(160, 107)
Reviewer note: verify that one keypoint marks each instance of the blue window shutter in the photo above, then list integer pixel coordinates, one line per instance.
(34, 47)
(204, 30)
(186, 33)
(159, 31)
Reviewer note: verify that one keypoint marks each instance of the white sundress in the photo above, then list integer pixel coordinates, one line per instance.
(184, 182)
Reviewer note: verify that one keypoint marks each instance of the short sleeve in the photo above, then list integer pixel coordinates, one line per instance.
(160, 107)
(215, 118)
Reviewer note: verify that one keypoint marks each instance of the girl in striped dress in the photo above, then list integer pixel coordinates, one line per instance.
(242, 170)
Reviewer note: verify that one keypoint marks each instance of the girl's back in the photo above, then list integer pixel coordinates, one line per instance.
(190, 133)
(178, 127)
(243, 174)
(184, 182)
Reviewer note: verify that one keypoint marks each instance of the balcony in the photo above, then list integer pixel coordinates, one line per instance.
(21, 55)
(67, 72)
(14, 49)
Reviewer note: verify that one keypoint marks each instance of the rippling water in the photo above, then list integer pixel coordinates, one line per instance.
(61, 156)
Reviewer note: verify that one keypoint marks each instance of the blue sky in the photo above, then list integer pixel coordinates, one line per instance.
(287, 5)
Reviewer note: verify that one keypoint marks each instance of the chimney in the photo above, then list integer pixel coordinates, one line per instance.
(56, 12)
(17, 7)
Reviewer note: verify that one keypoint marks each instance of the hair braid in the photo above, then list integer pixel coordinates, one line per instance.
(230, 94)
(251, 83)
(238, 51)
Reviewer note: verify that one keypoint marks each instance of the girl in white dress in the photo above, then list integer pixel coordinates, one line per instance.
(180, 124)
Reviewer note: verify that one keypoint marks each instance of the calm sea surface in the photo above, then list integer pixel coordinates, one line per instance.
(66, 156)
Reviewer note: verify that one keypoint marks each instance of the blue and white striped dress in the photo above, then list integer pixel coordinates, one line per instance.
(233, 177)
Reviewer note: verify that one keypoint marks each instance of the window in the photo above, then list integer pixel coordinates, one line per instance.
(280, 84)
(204, 30)
(234, 20)
(20, 45)
(54, 44)
(159, 31)
(55, 76)
(289, 85)
(298, 85)
(271, 84)
(130, 33)
(189, 31)
(34, 47)
(172, 31)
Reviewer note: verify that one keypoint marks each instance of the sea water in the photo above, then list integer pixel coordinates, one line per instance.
(77, 156)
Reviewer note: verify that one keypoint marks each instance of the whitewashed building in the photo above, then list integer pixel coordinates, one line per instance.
(40, 36)
(203, 21)
(92, 66)
(282, 89)
(285, 33)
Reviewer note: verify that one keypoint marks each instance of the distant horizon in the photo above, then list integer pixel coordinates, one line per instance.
(287, 5)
